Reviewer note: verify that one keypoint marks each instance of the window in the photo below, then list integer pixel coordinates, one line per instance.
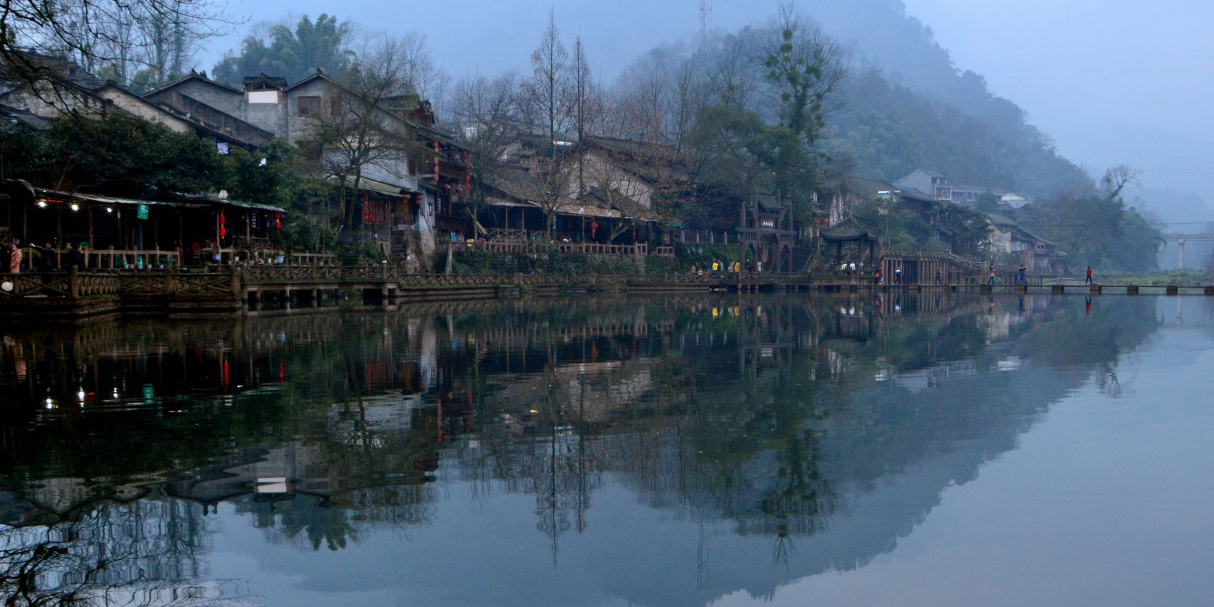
(308, 106)
(263, 96)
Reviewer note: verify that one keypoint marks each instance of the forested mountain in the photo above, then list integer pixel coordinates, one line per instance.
(904, 80)
(885, 130)
(904, 105)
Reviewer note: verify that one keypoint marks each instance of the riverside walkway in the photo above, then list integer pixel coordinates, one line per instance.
(229, 289)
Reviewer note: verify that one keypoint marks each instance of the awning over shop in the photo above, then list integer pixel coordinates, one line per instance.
(379, 187)
(566, 209)
(51, 196)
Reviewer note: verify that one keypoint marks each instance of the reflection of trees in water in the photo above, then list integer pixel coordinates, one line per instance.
(747, 420)
(705, 411)
(298, 520)
(110, 553)
(723, 429)
(361, 473)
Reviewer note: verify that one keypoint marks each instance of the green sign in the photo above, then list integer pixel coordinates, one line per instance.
(143, 211)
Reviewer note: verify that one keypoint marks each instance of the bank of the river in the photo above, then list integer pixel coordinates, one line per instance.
(255, 288)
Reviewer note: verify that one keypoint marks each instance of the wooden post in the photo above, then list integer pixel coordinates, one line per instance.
(92, 243)
(237, 283)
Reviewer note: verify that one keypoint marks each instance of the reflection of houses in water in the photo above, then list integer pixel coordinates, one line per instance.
(585, 392)
(366, 442)
(61, 495)
(922, 379)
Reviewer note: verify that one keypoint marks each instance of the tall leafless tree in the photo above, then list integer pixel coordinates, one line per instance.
(550, 105)
(360, 132)
(486, 122)
(36, 36)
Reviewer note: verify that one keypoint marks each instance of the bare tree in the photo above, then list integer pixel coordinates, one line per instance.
(550, 104)
(732, 81)
(99, 33)
(1116, 179)
(360, 132)
(486, 122)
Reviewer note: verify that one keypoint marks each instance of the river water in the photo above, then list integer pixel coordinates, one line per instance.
(935, 450)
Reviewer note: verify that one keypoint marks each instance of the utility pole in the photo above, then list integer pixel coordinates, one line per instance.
(705, 12)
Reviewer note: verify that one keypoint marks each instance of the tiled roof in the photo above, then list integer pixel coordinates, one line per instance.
(848, 229)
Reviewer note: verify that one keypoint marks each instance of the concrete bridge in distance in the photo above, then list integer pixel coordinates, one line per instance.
(1181, 239)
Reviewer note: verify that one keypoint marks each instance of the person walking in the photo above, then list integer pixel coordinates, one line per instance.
(1087, 280)
(991, 276)
(1022, 278)
(897, 276)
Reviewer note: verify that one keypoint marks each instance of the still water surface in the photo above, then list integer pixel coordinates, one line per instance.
(905, 451)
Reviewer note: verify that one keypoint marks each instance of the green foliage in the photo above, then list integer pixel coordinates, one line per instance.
(1097, 231)
(655, 265)
(293, 54)
(470, 261)
(889, 130)
(364, 254)
(900, 228)
(273, 181)
(301, 233)
(804, 69)
(123, 154)
(744, 156)
(702, 255)
(26, 154)
(965, 230)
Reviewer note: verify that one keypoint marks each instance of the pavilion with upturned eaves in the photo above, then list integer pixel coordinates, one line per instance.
(848, 240)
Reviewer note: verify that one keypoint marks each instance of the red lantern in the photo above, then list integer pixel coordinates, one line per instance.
(222, 232)
(221, 220)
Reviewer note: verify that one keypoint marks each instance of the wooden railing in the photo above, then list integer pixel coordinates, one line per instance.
(118, 259)
(71, 284)
(313, 259)
(232, 280)
(571, 248)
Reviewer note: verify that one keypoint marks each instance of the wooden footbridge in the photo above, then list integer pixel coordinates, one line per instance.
(228, 289)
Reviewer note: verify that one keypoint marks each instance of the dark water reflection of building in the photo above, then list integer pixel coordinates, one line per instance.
(773, 416)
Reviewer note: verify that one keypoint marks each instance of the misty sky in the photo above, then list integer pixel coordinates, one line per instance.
(1112, 81)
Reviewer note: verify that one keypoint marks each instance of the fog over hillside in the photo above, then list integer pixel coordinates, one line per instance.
(1109, 83)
